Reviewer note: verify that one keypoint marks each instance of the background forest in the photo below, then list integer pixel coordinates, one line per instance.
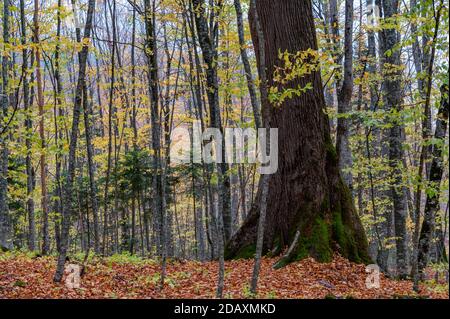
(91, 91)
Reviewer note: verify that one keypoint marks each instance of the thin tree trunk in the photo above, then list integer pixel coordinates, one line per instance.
(151, 53)
(344, 101)
(208, 45)
(264, 184)
(421, 243)
(28, 126)
(432, 204)
(40, 100)
(247, 68)
(88, 115)
(394, 100)
(5, 218)
(105, 247)
(336, 40)
(68, 189)
(207, 42)
(58, 113)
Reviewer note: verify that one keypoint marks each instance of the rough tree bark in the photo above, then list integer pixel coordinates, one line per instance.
(5, 219)
(306, 195)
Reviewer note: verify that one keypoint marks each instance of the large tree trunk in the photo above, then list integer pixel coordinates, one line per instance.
(306, 194)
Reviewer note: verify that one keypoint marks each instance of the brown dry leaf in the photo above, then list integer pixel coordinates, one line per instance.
(22, 277)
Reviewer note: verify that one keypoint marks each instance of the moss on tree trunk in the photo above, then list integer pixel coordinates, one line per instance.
(306, 194)
(326, 232)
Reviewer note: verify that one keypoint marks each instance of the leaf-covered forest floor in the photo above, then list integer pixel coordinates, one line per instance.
(24, 276)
